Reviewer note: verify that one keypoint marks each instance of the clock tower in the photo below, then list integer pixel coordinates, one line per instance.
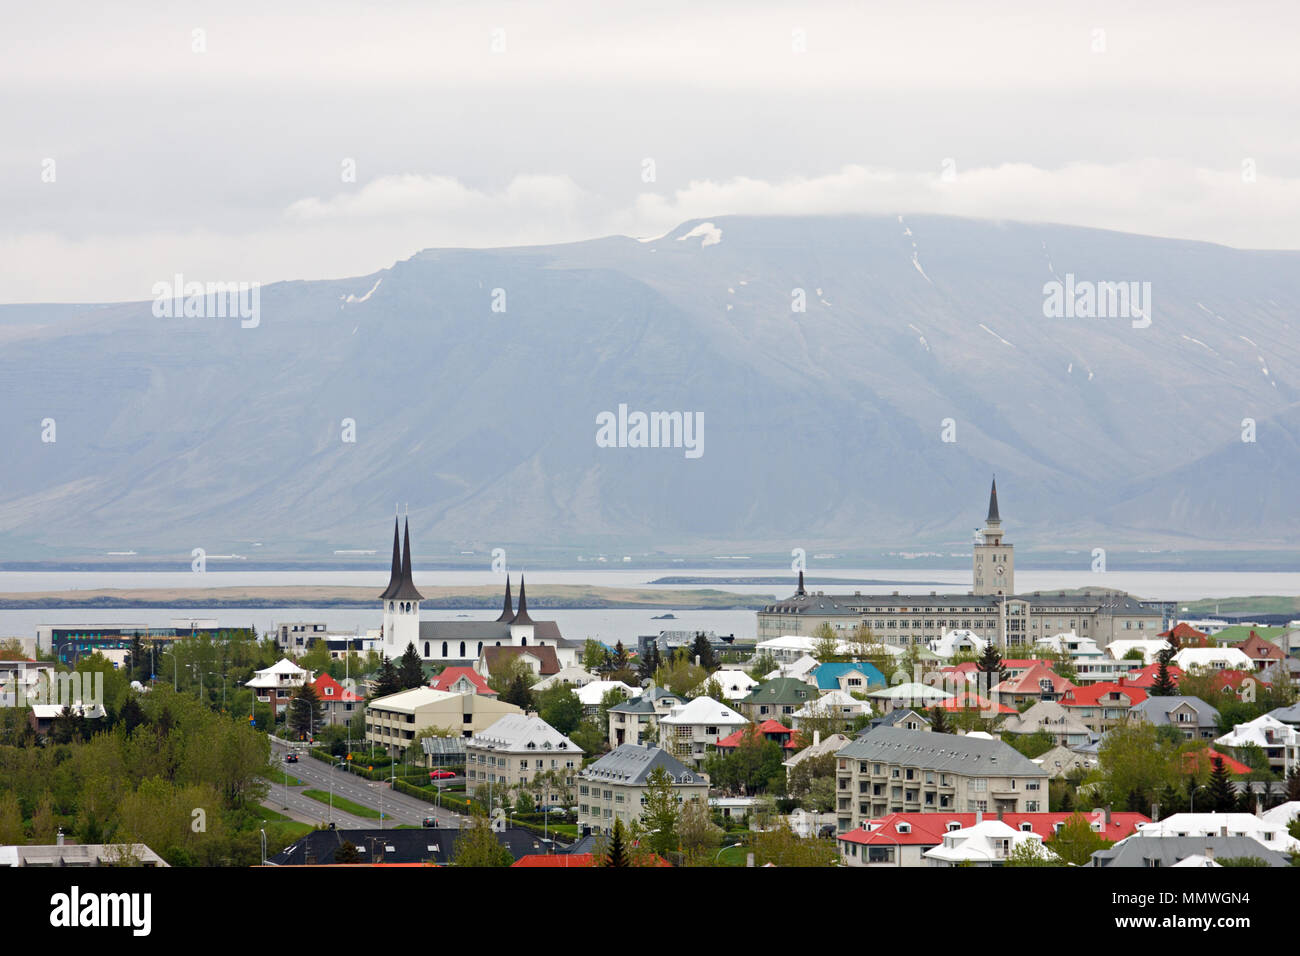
(995, 566)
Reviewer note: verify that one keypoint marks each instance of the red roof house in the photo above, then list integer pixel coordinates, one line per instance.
(770, 729)
(462, 680)
(1202, 762)
(1146, 677)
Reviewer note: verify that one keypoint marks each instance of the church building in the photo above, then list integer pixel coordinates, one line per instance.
(459, 642)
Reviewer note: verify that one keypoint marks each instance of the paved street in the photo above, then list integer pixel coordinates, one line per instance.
(398, 808)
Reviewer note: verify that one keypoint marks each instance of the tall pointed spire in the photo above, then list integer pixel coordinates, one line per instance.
(800, 592)
(507, 612)
(993, 502)
(522, 616)
(395, 576)
(406, 589)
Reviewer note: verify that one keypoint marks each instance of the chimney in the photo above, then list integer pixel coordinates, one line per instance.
(1155, 813)
(1108, 814)
(817, 737)
(979, 816)
(58, 840)
(1209, 853)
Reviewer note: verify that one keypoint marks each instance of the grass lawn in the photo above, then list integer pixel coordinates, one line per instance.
(282, 779)
(733, 856)
(341, 803)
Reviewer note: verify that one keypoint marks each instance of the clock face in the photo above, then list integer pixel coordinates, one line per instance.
(999, 570)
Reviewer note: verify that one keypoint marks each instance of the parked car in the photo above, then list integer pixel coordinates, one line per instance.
(441, 775)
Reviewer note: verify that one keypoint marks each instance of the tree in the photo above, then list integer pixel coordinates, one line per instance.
(990, 663)
(827, 646)
(508, 669)
(1032, 853)
(762, 665)
(616, 853)
(410, 672)
(650, 661)
(696, 829)
(560, 707)
(807, 771)
(619, 659)
(939, 720)
(754, 765)
(1292, 791)
(1132, 756)
(1164, 685)
(712, 690)
(702, 652)
(347, 853)
(11, 821)
(1222, 792)
(306, 712)
(1075, 842)
(594, 655)
(662, 813)
(680, 674)
(478, 846)
(517, 693)
(781, 847)
(390, 682)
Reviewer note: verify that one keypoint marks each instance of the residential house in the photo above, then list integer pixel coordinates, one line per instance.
(802, 668)
(338, 704)
(573, 675)
(62, 853)
(778, 698)
(690, 730)
(1287, 715)
(902, 717)
(1172, 851)
(1050, 717)
(393, 722)
(462, 680)
(735, 684)
(770, 729)
(888, 770)
(837, 706)
(818, 748)
(958, 641)
(1037, 682)
(1149, 648)
(1062, 761)
(637, 721)
(1262, 652)
(1103, 705)
(1269, 834)
(1212, 659)
(277, 684)
(902, 839)
(1279, 741)
(1194, 717)
(987, 843)
(614, 787)
(908, 697)
(1146, 677)
(540, 659)
(850, 677)
(593, 693)
(516, 749)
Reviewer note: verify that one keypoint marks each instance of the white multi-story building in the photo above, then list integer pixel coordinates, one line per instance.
(277, 684)
(516, 749)
(614, 787)
(689, 730)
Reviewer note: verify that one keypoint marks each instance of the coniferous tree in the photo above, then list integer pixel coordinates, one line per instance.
(306, 713)
(939, 721)
(347, 853)
(1137, 801)
(1164, 685)
(389, 681)
(650, 661)
(990, 663)
(1222, 793)
(616, 853)
(704, 651)
(519, 694)
(410, 672)
(1292, 791)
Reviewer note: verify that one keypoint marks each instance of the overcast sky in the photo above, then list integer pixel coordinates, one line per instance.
(228, 164)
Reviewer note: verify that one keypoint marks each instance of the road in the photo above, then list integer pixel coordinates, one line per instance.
(398, 808)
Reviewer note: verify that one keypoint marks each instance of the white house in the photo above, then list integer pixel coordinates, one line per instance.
(960, 641)
(1150, 648)
(591, 694)
(988, 843)
(1213, 658)
(1271, 834)
(573, 675)
(1280, 743)
(688, 730)
(276, 685)
(734, 684)
(837, 704)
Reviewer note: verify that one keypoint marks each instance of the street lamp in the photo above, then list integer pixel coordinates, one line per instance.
(727, 847)
(1191, 797)
(264, 846)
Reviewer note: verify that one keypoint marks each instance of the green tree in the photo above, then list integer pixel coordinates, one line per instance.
(827, 644)
(11, 820)
(807, 771)
(306, 712)
(1032, 853)
(517, 693)
(594, 655)
(410, 671)
(1132, 756)
(1164, 685)
(477, 845)
(990, 663)
(1222, 792)
(1075, 842)
(939, 720)
(560, 707)
(347, 853)
(662, 812)
(650, 661)
(762, 665)
(390, 682)
(616, 852)
(781, 847)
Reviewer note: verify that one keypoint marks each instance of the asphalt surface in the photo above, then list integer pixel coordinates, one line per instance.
(398, 808)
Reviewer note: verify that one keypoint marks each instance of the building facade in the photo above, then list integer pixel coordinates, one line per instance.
(614, 787)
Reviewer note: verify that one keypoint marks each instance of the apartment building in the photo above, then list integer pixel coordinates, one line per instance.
(637, 721)
(888, 770)
(393, 722)
(689, 731)
(515, 749)
(614, 787)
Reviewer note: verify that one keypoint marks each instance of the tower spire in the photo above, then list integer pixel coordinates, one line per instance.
(395, 576)
(507, 612)
(993, 501)
(522, 616)
(800, 592)
(405, 589)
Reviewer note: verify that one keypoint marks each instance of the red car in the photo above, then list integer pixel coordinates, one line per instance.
(441, 775)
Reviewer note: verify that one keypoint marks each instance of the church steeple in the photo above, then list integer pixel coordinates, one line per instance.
(522, 616)
(508, 612)
(395, 576)
(993, 517)
(406, 589)
(800, 592)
